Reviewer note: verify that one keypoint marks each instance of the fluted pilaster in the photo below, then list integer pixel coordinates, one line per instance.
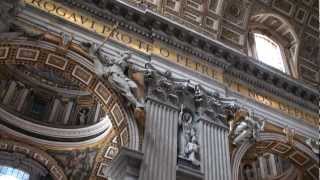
(160, 142)
(215, 151)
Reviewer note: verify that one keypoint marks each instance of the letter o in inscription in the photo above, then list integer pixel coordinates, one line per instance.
(126, 39)
(164, 52)
(49, 6)
(61, 11)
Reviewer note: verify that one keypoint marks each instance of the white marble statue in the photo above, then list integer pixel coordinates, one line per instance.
(192, 151)
(186, 130)
(314, 145)
(83, 115)
(114, 70)
(247, 129)
(187, 134)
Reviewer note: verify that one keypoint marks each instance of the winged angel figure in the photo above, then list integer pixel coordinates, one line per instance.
(115, 71)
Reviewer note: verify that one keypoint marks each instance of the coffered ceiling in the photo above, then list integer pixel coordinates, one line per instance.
(229, 21)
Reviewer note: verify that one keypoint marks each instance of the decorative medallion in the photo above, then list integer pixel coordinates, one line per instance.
(281, 148)
(4, 52)
(27, 54)
(57, 61)
(314, 171)
(102, 169)
(103, 92)
(117, 114)
(81, 74)
(124, 136)
(111, 152)
(299, 158)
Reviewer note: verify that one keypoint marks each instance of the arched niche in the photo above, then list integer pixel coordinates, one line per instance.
(298, 153)
(279, 29)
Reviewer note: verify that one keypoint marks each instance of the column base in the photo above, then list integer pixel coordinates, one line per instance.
(187, 173)
(126, 165)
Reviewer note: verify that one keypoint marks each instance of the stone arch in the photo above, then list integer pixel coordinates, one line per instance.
(274, 142)
(36, 155)
(78, 67)
(280, 30)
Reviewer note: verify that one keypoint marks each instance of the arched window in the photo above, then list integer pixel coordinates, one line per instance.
(9, 173)
(269, 52)
(274, 41)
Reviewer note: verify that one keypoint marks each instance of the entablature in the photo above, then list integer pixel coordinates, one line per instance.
(158, 36)
(154, 27)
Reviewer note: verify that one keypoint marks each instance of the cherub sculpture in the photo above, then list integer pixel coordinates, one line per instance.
(314, 145)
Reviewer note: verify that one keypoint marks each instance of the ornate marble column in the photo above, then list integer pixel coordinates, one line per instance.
(161, 128)
(215, 150)
(53, 112)
(273, 166)
(262, 164)
(214, 113)
(160, 142)
(186, 131)
(67, 113)
(10, 92)
(22, 98)
(97, 113)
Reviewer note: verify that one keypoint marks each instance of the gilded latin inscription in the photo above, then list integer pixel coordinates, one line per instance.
(287, 109)
(126, 39)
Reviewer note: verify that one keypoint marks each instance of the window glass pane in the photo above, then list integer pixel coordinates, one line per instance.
(268, 52)
(9, 173)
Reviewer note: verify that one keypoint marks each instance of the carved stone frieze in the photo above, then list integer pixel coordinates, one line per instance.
(153, 27)
(163, 87)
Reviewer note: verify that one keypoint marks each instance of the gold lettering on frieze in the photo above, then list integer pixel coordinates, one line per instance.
(268, 101)
(186, 61)
(126, 39)
(91, 24)
(156, 48)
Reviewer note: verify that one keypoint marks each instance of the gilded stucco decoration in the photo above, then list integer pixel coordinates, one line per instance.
(29, 56)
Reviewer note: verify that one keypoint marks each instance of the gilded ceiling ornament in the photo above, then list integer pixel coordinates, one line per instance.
(234, 10)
